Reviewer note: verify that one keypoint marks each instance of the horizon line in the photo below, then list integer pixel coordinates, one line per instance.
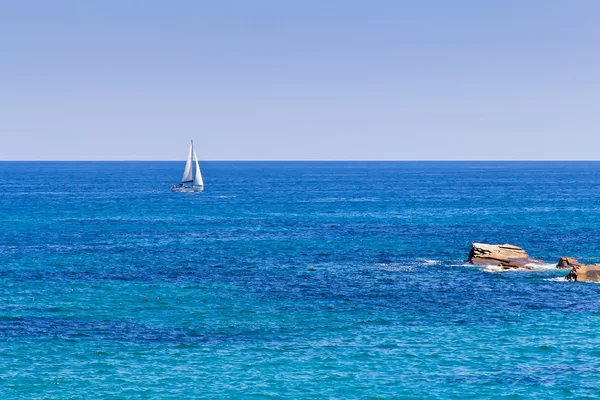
(319, 160)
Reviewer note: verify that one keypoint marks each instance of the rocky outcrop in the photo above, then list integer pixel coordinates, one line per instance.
(506, 256)
(579, 272)
(584, 273)
(567, 262)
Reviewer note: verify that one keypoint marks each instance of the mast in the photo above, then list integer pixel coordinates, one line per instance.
(193, 172)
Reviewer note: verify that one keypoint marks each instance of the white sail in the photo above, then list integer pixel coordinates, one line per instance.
(198, 177)
(187, 173)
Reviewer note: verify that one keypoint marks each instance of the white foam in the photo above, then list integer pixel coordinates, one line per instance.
(465, 264)
(562, 279)
(556, 279)
(542, 267)
(496, 269)
(536, 268)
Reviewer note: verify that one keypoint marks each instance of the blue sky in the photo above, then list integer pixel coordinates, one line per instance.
(310, 79)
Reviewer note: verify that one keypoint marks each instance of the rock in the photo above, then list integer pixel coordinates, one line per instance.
(506, 256)
(567, 262)
(584, 273)
(579, 272)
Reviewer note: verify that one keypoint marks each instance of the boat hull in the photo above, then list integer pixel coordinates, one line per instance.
(182, 189)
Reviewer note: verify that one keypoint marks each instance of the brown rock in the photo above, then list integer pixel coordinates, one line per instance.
(506, 256)
(584, 273)
(567, 262)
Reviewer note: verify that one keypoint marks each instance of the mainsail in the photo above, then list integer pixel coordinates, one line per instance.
(188, 171)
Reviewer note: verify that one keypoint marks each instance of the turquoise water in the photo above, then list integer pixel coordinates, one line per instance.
(295, 280)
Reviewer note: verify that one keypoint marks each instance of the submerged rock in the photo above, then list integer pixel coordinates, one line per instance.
(506, 256)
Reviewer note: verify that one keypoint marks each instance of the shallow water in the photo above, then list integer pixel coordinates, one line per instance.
(295, 280)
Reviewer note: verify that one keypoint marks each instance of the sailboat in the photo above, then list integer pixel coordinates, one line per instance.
(192, 177)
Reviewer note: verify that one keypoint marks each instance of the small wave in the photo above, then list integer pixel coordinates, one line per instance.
(464, 264)
(556, 279)
(562, 279)
(432, 262)
(496, 269)
(400, 268)
(327, 200)
(363, 200)
(394, 267)
(499, 269)
(536, 268)
(542, 267)
(345, 199)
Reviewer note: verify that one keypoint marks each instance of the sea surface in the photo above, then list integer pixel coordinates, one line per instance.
(296, 280)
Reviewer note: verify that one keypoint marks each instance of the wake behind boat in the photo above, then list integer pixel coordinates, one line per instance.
(192, 177)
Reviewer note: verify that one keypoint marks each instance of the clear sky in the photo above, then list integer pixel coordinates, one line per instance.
(303, 79)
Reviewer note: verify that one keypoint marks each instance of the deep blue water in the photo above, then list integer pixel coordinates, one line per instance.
(296, 280)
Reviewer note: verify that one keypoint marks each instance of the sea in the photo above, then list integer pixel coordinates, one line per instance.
(296, 280)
